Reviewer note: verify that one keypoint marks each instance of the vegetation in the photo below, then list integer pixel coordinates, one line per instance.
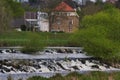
(33, 44)
(15, 7)
(92, 8)
(99, 34)
(33, 40)
(9, 77)
(5, 16)
(86, 76)
(8, 10)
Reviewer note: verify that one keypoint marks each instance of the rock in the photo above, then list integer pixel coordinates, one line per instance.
(95, 67)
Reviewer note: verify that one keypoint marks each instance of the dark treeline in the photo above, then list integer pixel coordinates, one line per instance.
(9, 10)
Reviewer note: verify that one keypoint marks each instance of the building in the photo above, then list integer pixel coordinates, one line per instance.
(17, 23)
(22, 1)
(64, 18)
(31, 20)
(38, 21)
(43, 21)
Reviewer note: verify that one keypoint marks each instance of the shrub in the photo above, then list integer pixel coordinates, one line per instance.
(37, 78)
(34, 44)
(100, 36)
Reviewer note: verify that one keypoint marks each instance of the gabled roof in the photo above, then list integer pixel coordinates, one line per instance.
(64, 7)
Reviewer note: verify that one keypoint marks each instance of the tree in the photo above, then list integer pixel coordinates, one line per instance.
(8, 10)
(117, 4)
(16, 8)
(5, 16)
(92, 8)
(34, 44)
(100, 34)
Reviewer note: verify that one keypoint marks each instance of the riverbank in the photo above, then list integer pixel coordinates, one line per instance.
(22, 38)
(85, 76)
(33, 41)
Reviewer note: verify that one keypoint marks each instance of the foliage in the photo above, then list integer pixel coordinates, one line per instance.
(108, 6)
(33, 45)
(15, 7)
(52, 4)
(85, 76)
(117, 4)
(33, 1)
(10, 77)
(8, 10)
(5, 16)
(92, 8)
(100, 34)
(34, 38)
(29, 8)
(38, 78)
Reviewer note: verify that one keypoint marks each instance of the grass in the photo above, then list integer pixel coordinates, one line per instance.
(86, 76)
(21, 38)
(33, 41)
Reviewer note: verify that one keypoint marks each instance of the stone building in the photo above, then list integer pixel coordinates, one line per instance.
(64, 18)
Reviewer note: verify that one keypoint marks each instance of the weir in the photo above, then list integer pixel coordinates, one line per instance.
(47, 63)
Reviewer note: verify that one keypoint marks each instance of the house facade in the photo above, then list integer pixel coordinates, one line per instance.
(43, 21)
(31, 20)
(64, 18)
(38, 21)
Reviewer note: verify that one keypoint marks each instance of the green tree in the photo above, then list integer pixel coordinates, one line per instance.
(92, 8)
(16, 8)
(100, 34)
(34, 44)
(5, 16)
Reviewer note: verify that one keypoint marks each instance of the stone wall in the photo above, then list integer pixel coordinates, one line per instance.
(65, 23)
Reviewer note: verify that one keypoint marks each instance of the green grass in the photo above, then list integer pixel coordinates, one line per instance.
(21, 38)
(86, 76)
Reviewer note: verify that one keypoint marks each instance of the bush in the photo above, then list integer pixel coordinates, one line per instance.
(87, 76)
(37, 78)
(34, 44)
(100, 36)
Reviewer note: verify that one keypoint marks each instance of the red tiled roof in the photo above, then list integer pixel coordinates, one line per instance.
(64, 7)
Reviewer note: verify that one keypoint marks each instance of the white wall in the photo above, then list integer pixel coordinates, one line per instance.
(71, 14)
(43, 22)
